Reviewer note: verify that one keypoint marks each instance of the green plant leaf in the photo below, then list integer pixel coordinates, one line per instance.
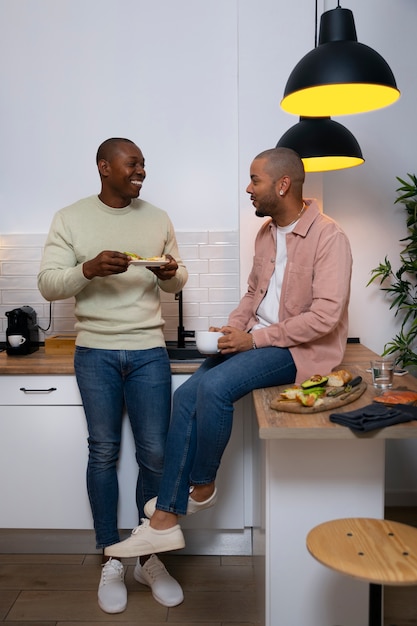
(401, 286)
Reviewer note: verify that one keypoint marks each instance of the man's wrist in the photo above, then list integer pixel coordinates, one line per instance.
(254, 346)
(86, 273)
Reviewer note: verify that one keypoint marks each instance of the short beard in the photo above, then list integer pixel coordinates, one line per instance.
(267, 208)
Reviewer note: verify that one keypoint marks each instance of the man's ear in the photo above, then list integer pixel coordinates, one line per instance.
(283, 185)
(103, 167)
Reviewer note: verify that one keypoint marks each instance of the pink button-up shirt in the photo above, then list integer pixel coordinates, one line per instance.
(313, 310)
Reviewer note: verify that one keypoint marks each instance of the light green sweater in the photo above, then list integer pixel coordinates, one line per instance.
(122, 311)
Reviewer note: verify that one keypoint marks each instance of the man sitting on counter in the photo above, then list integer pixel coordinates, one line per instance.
(291, 323)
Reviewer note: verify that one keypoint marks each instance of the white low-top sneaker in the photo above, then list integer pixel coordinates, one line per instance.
(165, 589)
(112, 593)
(192, 507)
(147, 540)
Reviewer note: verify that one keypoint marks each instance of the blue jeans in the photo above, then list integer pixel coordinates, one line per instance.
(202, 417)
(109, 381)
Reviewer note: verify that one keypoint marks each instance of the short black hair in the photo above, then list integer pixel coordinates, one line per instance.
(107, 148)
(282, 161)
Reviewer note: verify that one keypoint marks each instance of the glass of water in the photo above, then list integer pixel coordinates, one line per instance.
(382, 373)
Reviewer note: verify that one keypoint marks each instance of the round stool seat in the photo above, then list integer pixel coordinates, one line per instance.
(374, 550)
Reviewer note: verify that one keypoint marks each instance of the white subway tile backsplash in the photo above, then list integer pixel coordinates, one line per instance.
(18, 297)
(195, 295)
(223, 266)
(193, 280)
(223, 295)
(10, 283)
(19, 240)
(197, 266)
(223, 237)
(219, 252)
(198, 323)
(212, 290)
(218, 280)
(218, 322)
(191, 309)
(189, 251)
(21, 254)
(18, 269)
(185, 238)
(217, 309)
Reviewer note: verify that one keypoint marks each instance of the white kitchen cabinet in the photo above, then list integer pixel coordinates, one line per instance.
(42, 464)
(43, 458)
(43, 453)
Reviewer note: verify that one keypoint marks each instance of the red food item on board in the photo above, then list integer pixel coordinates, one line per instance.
(397, 397)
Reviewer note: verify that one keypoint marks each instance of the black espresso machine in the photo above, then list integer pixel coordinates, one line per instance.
(22, 333)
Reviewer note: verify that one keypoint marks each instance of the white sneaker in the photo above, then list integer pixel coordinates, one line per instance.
(192, 507)
(112, 593)
(165, 589)
(147, 540)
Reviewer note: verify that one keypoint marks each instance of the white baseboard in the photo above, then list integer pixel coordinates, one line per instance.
(40, 541)
(203, 542)
(218, 542)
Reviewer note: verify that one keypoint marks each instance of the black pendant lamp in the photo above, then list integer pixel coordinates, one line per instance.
(322, 144)
(339, 76)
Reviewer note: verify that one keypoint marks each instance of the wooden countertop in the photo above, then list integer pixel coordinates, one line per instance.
(281, 425)
(40, 363)
(272, 424)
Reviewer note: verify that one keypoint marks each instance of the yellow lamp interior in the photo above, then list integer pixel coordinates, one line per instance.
(327, 163)
(339, 99)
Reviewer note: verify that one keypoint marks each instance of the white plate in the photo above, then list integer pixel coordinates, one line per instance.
(145, 263)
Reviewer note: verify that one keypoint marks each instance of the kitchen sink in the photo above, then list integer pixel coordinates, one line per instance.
(188, 353)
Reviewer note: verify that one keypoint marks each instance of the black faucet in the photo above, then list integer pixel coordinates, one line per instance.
(182, 333)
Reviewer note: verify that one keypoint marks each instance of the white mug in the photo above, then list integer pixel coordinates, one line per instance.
(206, 341)
(16, 340)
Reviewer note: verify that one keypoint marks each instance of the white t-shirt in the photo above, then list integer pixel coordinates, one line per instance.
(268, 309)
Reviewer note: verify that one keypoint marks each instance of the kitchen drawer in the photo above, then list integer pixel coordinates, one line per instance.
(28, 390)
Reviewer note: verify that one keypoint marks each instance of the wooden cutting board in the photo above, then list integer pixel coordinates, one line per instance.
(60, 344)
(328, 404)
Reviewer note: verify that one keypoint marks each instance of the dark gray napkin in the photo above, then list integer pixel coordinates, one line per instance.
(375, 416)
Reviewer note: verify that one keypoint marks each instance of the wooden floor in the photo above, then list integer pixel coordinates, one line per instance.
(61, 590)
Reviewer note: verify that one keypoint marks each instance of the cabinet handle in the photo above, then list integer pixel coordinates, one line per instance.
(37, 390)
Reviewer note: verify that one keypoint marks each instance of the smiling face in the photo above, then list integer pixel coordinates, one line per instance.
(122, 172)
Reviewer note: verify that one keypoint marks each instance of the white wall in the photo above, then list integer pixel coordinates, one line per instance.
(198, 86)
(162, 73)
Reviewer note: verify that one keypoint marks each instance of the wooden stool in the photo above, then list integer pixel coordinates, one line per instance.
(379, 552)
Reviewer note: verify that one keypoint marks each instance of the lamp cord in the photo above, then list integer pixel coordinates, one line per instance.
(49, 322)
(316, 22)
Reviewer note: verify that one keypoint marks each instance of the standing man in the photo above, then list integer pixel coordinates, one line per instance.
(291, 323)
(120, 358)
